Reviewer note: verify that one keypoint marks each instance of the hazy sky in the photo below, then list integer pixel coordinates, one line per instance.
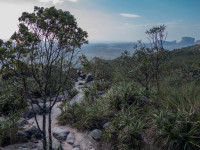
(114, 20)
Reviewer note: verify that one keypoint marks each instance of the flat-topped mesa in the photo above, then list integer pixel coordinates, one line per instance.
(189, 41)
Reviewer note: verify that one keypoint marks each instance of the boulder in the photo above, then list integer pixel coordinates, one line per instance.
(89, 78)
(76, 148)
(71, 138)
(60, 133)
(22, 122)
(107, 125)
(76, 145)
(56, 145)
(24, 134)
(2, 119)
(34, 131)
(96, 134)
(59, 99)
(36, 110)
(83, 76)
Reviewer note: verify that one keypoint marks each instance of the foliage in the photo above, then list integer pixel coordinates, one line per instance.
(86, 115)
(9, 129)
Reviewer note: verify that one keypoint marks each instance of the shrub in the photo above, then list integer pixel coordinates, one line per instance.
(86, 115)
(178, 130)
(9, 129)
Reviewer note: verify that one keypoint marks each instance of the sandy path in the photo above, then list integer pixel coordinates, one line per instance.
(56, 111)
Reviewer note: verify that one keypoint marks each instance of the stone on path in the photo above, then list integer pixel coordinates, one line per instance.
(89, 78)
(71, 138)
(96, 134)
(56, 145)
(22, 122)
(33, 131)
(60, 133)
(76, 145)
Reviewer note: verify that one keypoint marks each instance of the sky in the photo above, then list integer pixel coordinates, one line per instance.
(114, 20)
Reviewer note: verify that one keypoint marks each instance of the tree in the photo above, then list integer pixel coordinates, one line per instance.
(157, 36)
(45, 49)
(143, 70)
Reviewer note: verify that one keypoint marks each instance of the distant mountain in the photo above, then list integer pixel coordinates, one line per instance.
(114, 50)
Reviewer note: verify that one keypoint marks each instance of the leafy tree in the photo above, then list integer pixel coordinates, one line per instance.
(157, 36)
(46, 46)
(143, 70)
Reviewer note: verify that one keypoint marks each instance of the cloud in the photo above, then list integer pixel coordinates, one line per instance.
(74, 1)
(52, 1)
(129, 15)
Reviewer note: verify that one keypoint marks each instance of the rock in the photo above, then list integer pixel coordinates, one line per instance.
(56, 145)
(35, 100)
(36, 110)
(142, 100)
(23, 134)
(1, 148)
(107, 125)
(83, 76)
(89, 78)
(87, 142)
(60, 134)
(76, 145)
(100, 92)
(2, 119)
(23, 146)
(22, 122)
(71, 138)
(59, 99)
(34, 131)
(80, 83)
(30, 113)
(76, 148)
(96, 134)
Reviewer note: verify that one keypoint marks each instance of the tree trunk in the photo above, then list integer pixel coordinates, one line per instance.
(44, 126)
(50, 138)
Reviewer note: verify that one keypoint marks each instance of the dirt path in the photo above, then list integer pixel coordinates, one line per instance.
(79, 136)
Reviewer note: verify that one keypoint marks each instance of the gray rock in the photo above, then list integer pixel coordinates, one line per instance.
(60, 134)
(71, 138)
(107, 125)
(89, 78)
(76, 145)
(22, 122)
(30, 113)
(96, 134)
(36, 110)
(76, 148)
(23, 134)
(56, 145)
(34, 131)
(59, 99)
(1, 148)
(2, 119)
(87, 142)
(35, 100)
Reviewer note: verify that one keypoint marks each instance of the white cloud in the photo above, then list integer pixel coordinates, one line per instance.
(129, 15)
(74, 1)
(52, 1)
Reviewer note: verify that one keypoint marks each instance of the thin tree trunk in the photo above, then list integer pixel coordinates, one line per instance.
(50, 138)
(44, 126)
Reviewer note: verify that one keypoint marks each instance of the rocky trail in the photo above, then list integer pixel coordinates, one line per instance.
(64, 137)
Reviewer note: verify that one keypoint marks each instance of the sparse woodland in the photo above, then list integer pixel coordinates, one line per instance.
(150, 97)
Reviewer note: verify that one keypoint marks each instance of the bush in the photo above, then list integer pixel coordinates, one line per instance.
(126, 130)
(9, 129)
(11, 97)
(86, 115)
(178, 130)
(124, 94)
